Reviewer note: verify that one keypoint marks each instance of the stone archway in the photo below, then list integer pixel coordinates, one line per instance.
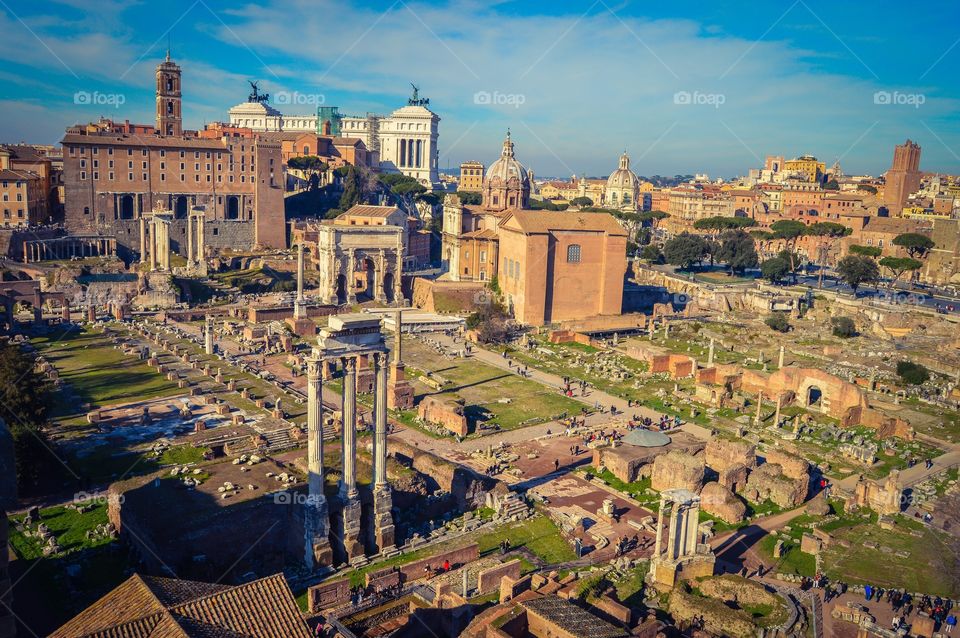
(342, 293)
(388, 284)
(126, 207)
(233, 207)
(814, 396)
(180, 207)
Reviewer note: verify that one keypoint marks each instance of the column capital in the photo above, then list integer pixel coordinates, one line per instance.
(349, 363)
(314, 368)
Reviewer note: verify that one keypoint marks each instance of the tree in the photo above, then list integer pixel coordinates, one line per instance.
(843, 327)
(351, 189)
(912, 373)
(866, 251)
(490, 322)
(899, 265)
(867, 188)
(25, 396)
(915, 244)
(737, 250)
(856, 270)
(581, 201)
(685, 250)
(831, 185)
(778, 321)
(789, 230)
(775, 269)
(827, 232)
(719, 223)
(651, 253)
(470, 198)
(653, 216)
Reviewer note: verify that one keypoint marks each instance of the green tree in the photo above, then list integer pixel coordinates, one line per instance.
(778, 321)
(916, 245)
(831, 185)
(351, 189)
(25, 396)
(866, 251)
(867, 188)
(899, 265)
(857, 270)
(470, 198)
(775, 269)
(719, 223)
(843, 327)
(581, 201)
(685, 250)
(653, 216)
(912, 373)
(737, 250)
(790, 231)
(827, 233)
(651, 253)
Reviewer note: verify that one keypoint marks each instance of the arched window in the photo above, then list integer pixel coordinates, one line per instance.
(573, 254)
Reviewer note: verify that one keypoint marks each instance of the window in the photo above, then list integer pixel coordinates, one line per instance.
(86, 210)
(573, 254)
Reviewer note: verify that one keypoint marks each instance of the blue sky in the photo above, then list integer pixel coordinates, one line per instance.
(683, 86)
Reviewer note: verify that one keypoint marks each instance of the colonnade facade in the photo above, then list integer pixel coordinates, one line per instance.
(155, 240)
(69, 247)
(195, 238)
(317, 516)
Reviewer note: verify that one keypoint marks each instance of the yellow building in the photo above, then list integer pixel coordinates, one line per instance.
(471, 177)
(806, 167)
(919, 212)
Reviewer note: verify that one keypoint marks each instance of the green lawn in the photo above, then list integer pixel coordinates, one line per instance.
(539, 534)
(68, 525)
(97, 373)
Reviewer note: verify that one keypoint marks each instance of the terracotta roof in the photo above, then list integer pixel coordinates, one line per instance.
(363, 210)
(152, 607)
(25, 153)
(537, 222)
(485, 233)
(11, 173)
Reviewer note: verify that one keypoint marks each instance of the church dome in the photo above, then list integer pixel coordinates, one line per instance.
(507, 167)
(623, 178)
(641, 437)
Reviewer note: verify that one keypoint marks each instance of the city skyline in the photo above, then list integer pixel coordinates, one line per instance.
(713, 93)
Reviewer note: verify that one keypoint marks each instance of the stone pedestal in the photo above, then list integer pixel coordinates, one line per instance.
(317, 526)
(383, 519)
(351, 530)
(399, 391)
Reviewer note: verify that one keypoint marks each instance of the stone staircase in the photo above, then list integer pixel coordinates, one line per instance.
(512, 507)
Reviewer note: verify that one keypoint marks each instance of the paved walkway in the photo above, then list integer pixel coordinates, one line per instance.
(912, 475)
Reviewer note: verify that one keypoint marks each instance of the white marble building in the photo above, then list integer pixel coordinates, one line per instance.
(406, 140)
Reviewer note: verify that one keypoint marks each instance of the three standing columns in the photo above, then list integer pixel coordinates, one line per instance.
(317, 550)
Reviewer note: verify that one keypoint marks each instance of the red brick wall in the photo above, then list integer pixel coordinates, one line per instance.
(457, 557)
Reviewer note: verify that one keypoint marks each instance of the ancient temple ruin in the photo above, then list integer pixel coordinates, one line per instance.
(685, 556)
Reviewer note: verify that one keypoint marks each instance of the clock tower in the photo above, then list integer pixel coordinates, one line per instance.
(169, 116)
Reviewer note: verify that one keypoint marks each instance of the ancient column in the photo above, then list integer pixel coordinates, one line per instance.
(165, 254)
(759, 406)
(382, 495)
(658, 548)
(348, 485)
(710, 354)
(672, 532)
(201, 244)
(776, 417)
(380, 419)
(189, 241)
(299, 310)
(143, 239)
(208, 336)
(780, 361)
(153, 243)
(692, 514)
(317, 522)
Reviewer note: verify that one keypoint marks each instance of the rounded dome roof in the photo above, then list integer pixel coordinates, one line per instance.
(623, 177)
(507, 167)
(646, 438)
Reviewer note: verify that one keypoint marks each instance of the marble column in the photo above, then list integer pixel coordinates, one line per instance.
(382, 494)
(658, 548)
(153, 244)
(201, 243)
(349, 496)
(710, 354)
(208, 336)
(672, 532)
(143, 239)
(759, 407)
(780, 362)
(299, 309)
(189, 241)
(317, 522)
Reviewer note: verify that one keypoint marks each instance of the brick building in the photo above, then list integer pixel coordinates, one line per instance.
(113, 174)
(903, 178)
(561, 266)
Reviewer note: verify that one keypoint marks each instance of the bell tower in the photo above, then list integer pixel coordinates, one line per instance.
(169, 117)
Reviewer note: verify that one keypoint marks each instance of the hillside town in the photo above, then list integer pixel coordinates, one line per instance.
(283, 375)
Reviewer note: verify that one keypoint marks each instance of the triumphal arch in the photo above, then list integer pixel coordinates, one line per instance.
(358, 263)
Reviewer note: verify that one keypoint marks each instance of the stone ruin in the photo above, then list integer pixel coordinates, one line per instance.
(677, 470)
